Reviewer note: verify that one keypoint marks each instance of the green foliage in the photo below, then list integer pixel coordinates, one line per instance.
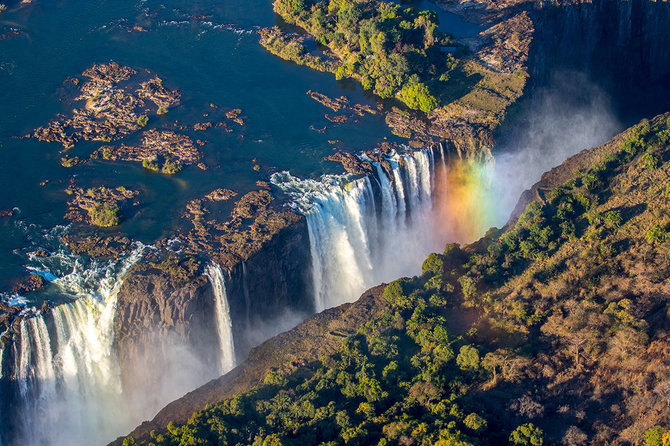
(468, 358)
(143, 120)
(654, 436)
(527, 435)
(650, 161)
(275, 379)
(171, 167)
(150, 164)
(418, 97)
(475, 423)
(394, 293)
(129, 441)
(613, 219)
(105, 215)
(656, 234)
(434, 264)
(392, 50)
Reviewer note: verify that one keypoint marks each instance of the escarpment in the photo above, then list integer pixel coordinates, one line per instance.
(319, 335)
(156, 310)
(514, 336)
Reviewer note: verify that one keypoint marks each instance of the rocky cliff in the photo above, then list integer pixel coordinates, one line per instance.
(157, 311)
(167, 306)
(319, 335)
(625, 45)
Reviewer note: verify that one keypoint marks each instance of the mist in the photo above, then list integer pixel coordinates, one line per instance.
(567, 116)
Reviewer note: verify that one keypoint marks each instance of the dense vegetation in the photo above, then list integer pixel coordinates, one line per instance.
(105, 215)
(392, 50)
(553, 330)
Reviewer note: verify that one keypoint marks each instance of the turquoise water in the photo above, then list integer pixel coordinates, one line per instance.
(210, 52)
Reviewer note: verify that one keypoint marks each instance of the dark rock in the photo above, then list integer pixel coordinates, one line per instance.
(33, 282)
(352, 163)
(39, 252)
(155, 306)
(319, 335)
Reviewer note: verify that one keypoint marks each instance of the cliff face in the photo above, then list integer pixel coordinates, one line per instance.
(167, 308)
(623, 44)
(154, 314)
(273, 280)
(319, 335)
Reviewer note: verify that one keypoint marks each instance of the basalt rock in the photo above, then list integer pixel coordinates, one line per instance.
(352, 164)
(30, 283)
(166, 146)
(116, 104)
(160, 305)
(319, 335)
(87, 204)
(97, 245)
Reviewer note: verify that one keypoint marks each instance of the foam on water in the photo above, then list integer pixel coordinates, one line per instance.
(364, 233)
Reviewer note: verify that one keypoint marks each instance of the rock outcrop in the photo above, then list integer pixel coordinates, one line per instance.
(158, 305)
(117, 103)
(319, 335)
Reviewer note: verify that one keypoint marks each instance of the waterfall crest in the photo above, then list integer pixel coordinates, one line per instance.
(367, 230)
(224, 324)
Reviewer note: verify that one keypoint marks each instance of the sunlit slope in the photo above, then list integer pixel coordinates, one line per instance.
(551, 330)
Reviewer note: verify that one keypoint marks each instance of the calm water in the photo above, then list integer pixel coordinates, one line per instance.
(210, 51)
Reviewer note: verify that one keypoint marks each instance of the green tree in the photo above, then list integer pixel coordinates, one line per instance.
(433, 264)
(418, 97)
(654, 436)
(105, 215)
(527, 435)
(475, 423)
(468, 358)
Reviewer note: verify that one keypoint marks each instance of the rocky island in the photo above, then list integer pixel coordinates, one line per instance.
(193, 297)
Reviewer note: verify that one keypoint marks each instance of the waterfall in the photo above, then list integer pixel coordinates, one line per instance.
(69, 388)
(367, 230)
(224, 326)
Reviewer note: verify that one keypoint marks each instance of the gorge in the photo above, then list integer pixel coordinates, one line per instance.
(121, 339)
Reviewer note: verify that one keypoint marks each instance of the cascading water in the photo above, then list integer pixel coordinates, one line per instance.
(224, 326)
(69, 388)
(359, 238)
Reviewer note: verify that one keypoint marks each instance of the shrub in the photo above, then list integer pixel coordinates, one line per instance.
(162, 111)
(150, 164)
(418, 97)
(656, 234)
(654, 436)
(105, 215)
(527, 435)
(650, 161)
(142, 120)
(613, 219)
(171, 167)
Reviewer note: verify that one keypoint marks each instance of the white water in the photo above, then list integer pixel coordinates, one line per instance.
(224, 326)
(357, 242)
(69, 382)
